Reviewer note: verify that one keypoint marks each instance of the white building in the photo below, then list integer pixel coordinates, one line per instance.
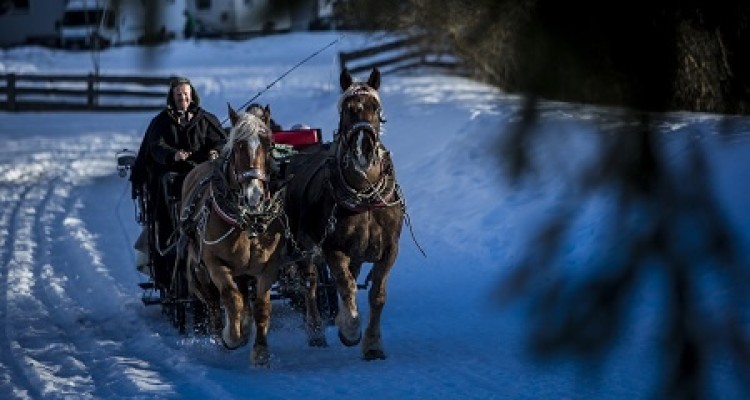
(237, 18)
(42, 21)
(115, 22)
(29, 21)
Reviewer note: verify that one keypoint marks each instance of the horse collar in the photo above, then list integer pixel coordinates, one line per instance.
(383, 193)
(220, 212)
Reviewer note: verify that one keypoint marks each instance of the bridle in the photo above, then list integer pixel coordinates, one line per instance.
(229, 193)
(373, 194)
(345, 153)
(343, 148)
(246, 176)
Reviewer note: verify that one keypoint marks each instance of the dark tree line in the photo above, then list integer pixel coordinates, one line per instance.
(649, 55)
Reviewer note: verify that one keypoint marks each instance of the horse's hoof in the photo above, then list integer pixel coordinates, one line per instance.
(350, 342)
(260, 357)
(317, 342)
(235, 346)
(227, 346)
(316, 337)
(373, 354)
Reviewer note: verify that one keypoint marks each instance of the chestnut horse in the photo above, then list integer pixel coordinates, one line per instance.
(344, 201)
(230, 235)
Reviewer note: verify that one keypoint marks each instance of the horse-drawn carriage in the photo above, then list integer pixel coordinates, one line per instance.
(280, 215)
(168, 286)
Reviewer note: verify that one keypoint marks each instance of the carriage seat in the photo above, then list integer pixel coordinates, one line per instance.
(300, 138)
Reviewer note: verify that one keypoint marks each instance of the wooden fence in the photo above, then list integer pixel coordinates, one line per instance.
(411, 52)
(90, 92)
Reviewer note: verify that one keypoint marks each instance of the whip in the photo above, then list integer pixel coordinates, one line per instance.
(306, 59)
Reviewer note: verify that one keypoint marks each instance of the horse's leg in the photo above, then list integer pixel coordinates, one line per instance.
(232, 335)
(201, 286)
(372, 346)
(243, 283)
(261, 356)
(209, 296)
(313, 323)
(214, 313)
(347, 319)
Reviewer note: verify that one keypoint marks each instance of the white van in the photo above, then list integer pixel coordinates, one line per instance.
(98, 23)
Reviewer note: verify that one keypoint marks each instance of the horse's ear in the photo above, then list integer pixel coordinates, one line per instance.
(346, 79)
(267, 115)
(374, 80)
(233, 115)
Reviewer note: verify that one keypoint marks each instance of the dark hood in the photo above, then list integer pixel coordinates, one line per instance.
(193, 93)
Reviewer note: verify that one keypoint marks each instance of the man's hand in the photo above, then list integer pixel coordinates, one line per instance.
(213, 154)
(181, 155)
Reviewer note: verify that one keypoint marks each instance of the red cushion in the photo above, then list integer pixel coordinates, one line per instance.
(298, 138)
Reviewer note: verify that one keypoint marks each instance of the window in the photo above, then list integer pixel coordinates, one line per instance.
(110, 19)
(14, 6)
(82, 18)
(203, 4)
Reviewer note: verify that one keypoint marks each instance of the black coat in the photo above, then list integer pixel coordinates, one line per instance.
(165, 137)
(200, 135)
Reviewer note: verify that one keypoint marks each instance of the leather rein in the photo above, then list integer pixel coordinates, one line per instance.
(228, 203)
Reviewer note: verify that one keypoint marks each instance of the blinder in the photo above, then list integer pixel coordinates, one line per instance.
(250, 174)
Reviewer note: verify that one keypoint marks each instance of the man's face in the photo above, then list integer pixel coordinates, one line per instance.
(182, 97)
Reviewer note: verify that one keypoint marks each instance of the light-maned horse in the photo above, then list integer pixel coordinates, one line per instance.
(344, 200)
(231, 235)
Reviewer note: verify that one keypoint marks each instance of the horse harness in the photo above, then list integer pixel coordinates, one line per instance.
(228, 205)
(385, 192)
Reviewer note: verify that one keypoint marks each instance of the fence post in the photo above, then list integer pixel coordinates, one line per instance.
(11, 85)
(90, 95)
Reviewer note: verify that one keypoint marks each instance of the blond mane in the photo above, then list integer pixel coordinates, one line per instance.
(247, 125)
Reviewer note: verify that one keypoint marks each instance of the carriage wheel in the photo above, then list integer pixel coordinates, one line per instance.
(200, 316)
(180, 298)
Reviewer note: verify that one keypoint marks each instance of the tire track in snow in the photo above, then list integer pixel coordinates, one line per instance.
(39, 344)
(86, 285)
(53, 343)
(10, 369)
(103, 326)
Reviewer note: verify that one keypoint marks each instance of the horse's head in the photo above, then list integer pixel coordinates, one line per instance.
(247, 157)
(360, 119)
(264, 113)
